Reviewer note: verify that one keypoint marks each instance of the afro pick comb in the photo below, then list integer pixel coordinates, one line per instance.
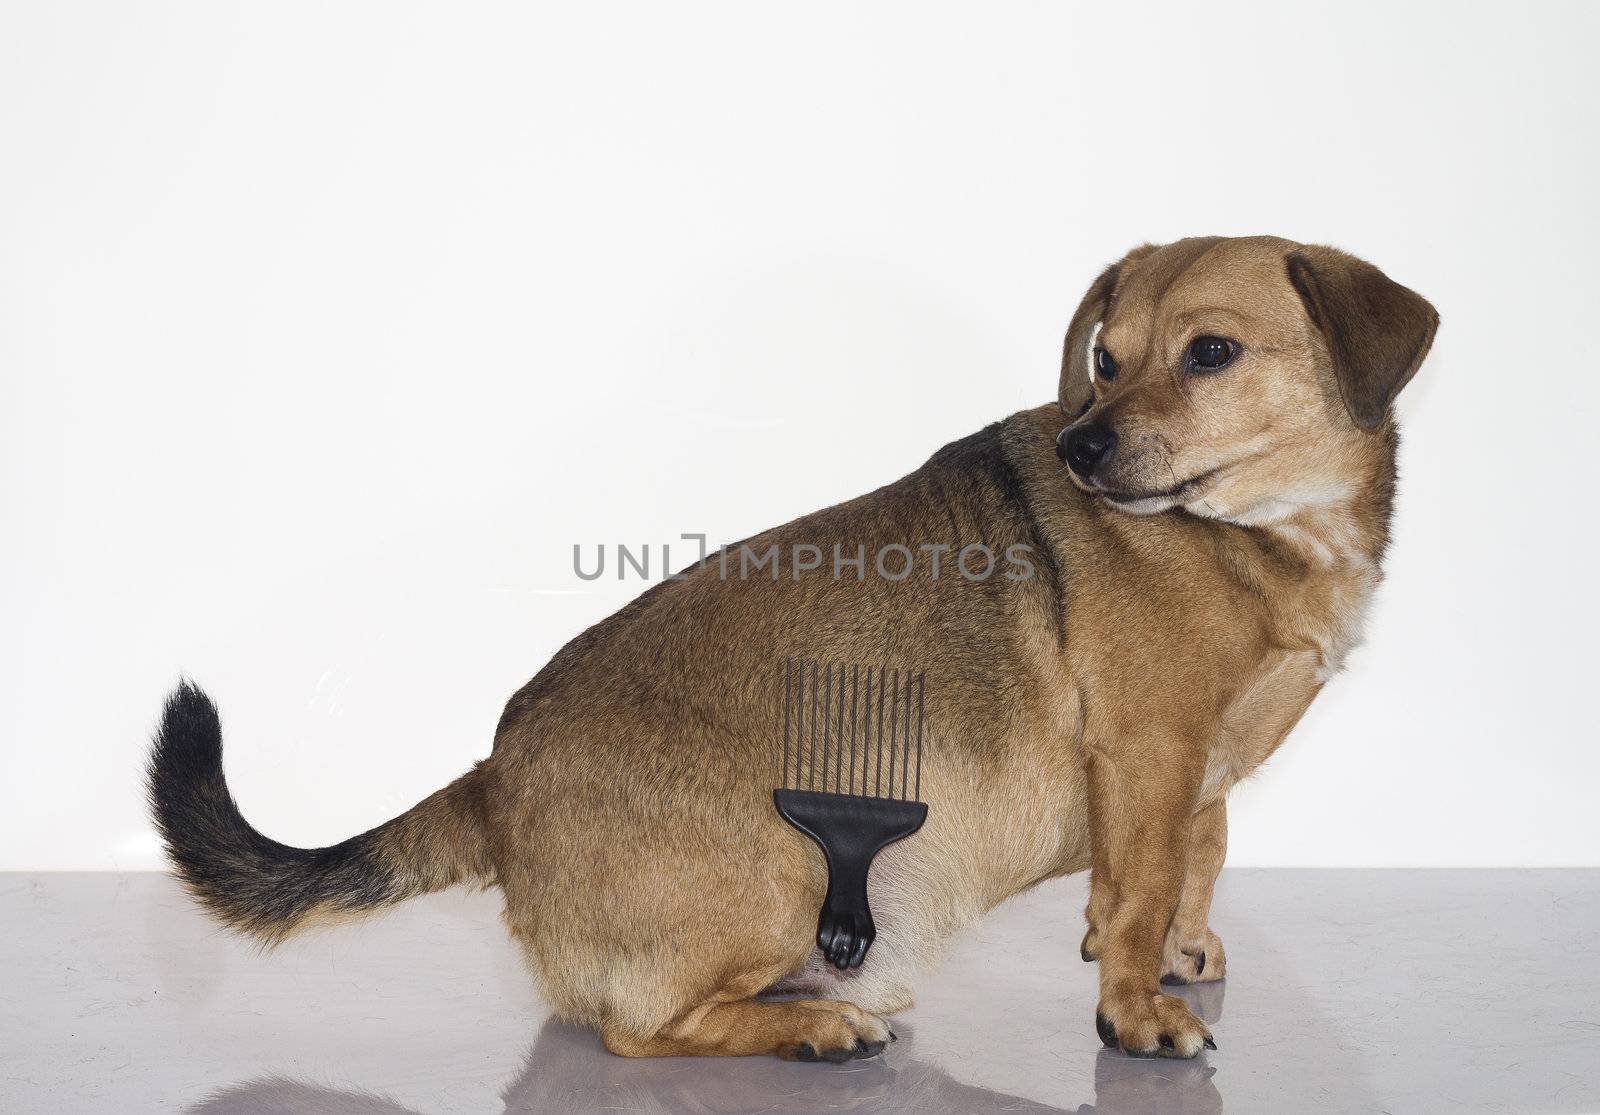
(852, 780)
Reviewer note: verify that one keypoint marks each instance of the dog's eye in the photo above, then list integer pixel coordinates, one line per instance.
(1207, 354)
(1104, 366)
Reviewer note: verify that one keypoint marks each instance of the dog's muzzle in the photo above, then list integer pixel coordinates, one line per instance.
(1083, 447)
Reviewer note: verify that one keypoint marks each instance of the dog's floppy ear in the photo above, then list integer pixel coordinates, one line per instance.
(1076, 388)
(1377, 331)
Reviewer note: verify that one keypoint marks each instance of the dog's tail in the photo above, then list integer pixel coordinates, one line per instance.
(269, 890)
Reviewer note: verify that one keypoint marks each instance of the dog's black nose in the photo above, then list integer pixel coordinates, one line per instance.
(1083, 447)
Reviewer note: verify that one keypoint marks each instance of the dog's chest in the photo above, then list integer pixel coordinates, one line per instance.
(1313, 632)
(1256, 721)
(1325, 608)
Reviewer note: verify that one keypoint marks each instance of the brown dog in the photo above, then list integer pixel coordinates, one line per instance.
(1198, 567)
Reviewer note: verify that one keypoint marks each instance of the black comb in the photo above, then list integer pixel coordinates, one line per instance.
(852, 780)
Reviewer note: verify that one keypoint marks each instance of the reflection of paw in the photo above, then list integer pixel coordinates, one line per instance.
(1200, 960)
(1166, 1084)
(1145, 1025)
(845, 937)
(836, 1032)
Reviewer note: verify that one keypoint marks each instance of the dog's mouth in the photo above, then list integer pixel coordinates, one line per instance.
(1149, 503)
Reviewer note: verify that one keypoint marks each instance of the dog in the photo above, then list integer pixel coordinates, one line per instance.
(1205, 507)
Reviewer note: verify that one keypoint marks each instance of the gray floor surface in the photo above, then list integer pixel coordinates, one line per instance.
(1371, 991)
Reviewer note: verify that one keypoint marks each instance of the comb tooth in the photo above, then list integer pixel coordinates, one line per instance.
(922, 684)
(827, 720)
(846, 762)
(802, 715)
(900, 739)
(871, 737)
(802, 727)
(784, 782)
(811, 771)
(802, 761)
(855, 692)
(905, 759)
(844, 744)
(829, 741)
(866, 734)
(840, 735)
(838, 744)
(911, 743)
(894, 729)
(799, 718)
(838, 726)
(877, 773)
(799, 721)
(838, 729)
(884, 683)
(892, 703)
(894, 736)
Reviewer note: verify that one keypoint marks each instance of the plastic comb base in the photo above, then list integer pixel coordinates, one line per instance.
(851, 831)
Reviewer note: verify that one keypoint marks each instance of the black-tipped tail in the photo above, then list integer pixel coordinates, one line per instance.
(259, 886)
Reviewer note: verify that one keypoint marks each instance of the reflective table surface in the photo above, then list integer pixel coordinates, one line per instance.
(1365, 991)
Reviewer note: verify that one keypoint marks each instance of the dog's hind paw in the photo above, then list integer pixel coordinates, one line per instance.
(1198, 961)
(838, 1032)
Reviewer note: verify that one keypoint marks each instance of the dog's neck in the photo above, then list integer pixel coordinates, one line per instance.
(1323, 546)
(1332, 512)
(1345, 525)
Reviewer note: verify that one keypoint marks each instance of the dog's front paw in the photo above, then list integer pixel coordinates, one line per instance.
(1090, 949)
(1151, 1025)
(1196, 960)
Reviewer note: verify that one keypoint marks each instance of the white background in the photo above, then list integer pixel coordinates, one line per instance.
(326, 330)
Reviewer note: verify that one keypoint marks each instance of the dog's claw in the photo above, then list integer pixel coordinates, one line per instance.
(1200, 963)
(1107, 1032)
(860, 1048)
(1172, 1039)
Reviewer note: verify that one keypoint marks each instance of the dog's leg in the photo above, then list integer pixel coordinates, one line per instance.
(1101, 900)
(1141, 834)
(795, 1029)
(1193, 953)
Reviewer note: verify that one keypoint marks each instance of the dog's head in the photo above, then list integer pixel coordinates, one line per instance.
(1239, 379)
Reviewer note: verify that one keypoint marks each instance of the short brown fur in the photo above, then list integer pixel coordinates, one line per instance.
(1186, 607)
